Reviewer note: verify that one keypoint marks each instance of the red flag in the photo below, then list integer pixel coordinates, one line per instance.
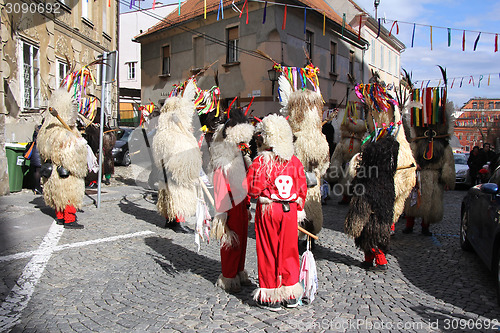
(283, 26)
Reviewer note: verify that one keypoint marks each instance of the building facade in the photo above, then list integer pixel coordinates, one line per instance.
(478, 122)
(36, 48)
(134, 23)
(180, 46)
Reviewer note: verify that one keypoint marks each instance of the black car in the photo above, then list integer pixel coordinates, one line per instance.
(480, 225)
(121, 154)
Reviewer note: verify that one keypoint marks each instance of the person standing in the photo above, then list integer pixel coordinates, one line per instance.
(475, 162)
(277, 179)
(64, 153)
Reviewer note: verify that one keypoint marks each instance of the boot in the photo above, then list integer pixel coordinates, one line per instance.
(410, 222)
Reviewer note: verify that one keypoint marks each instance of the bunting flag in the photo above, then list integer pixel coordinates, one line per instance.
(489, 77)
(479, 83)
(378, 30)
(324, 23)
(397, 28)
(431, 37)
(180, 9)
(264, 18)
(463, 41)
(471, 79)
(305, 20)
(205, 9)
(449, 37)
(496, 42)
(461, 82)
(132, 3)
(452, 83)
(283, 26)
(412, 35)
(477, 40)
(220, 11)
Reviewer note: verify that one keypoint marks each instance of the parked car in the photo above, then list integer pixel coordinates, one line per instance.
(462, 176)
(121, 154)
(480, 225)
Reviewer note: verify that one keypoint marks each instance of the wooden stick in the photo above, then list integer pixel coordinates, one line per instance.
(55, 114)
(207, 193)
(307, 232)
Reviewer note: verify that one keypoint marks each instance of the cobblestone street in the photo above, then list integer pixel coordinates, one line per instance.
(124, 272)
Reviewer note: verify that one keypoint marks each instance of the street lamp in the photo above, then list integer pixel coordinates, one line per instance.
(273, 77)
(376, 3)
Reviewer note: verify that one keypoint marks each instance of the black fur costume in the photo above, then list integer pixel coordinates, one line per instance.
(371, 212)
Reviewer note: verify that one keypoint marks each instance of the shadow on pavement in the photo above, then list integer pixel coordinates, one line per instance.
(174, 258)
(140, 213)
(39, 203)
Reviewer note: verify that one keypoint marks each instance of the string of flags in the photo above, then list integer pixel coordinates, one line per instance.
(459, 81)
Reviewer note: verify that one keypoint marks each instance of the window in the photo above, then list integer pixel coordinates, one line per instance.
(309, 44)
(490, 105)
(104, 18)
(333, 57)
(460, 137)
(474, 105)
(199, 52)
(85, 9)
(389, 57)
(373, 51)
(381, 57)
(497, 105)
(130, 70)
(31, 76)
(481, 105)
(232, 45)
(165, 69)
(351, 63)
(62, 70)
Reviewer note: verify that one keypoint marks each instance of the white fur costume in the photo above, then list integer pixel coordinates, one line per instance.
(176, 153)
(304, 108)
(64, 148)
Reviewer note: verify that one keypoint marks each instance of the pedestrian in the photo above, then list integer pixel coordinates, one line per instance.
(229, 153)
(35, 162)
(64, 153)
(277, 179)
(475, 162)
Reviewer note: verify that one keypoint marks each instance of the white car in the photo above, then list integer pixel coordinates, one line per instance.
(461, 169)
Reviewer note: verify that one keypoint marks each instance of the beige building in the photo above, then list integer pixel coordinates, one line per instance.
(178, 47)
(33, 51)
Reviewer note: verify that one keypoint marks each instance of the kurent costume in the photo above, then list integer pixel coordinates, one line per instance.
(178, 157)
(386, 174)
(65, 155)
(276, 177)
(230, 225)
(352, 131)
(430, 131)
(304, 110)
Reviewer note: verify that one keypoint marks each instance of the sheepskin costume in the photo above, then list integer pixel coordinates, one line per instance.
(371, 210)
(276, 177)
(304, 110)
(177, 155)
(436, 172)
(229, 160)
(352, 131)
(65, 149)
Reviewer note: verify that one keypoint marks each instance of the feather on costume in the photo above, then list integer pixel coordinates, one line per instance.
(176, 151)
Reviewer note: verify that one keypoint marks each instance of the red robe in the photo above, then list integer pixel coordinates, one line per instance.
(275, 182)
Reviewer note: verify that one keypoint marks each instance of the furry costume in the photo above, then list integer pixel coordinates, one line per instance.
(304, 110)
(352, 131)
(369, 217)
(65, 149)
(230, 224)
(177, 155)
(436, 172)
(276, 177)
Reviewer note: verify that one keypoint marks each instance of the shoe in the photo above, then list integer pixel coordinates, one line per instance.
(91, 186)
(379, 268)
(269, 306)
(426, 232)
(38, 191)
(73, 225)
(107, 182)
(407, 230)
(366, 264)
(180, 228)
(60, 221)
(290, 303)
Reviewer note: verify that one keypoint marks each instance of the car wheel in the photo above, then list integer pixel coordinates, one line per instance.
(126, 158)
(464, 225)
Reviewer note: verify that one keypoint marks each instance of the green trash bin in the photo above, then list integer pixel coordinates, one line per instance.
(15, 162)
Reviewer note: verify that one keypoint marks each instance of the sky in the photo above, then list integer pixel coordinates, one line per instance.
(473, 16)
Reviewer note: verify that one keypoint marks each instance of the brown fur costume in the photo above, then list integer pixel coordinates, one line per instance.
(369, 218)
(64, 148)
(176, 152)
(92, 133)
(435, 173)
(304, 108)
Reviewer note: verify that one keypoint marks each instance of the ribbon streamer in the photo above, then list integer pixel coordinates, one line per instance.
(343, 24)
(471, 79)
(205, 9)
(264, 18)
(431, 37)
(109, 4)
(452, 83)
(477, 40)
(449, 37)
(283, 26)
(412, 35)
(496, 42)
(324, 23)
(461, 82)
(378, 30)
(489, 77)
(463, 41)
(132, 3)
(305, 19)
(480, 79)
(397, 28)
(180, 8)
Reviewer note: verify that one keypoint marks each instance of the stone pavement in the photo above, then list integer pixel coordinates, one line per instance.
(124, 273)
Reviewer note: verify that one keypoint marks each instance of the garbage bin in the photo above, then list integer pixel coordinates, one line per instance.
(15, 162)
